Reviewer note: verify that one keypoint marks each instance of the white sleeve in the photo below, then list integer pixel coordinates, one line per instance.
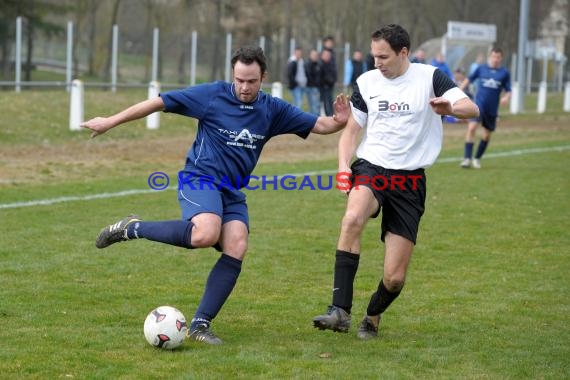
(453, 95)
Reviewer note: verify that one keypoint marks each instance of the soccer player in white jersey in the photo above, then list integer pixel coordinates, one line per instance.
(399, 108)
(235, 121)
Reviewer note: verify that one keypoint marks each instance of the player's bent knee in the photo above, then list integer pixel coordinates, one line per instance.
(203, 239)
(352, 221)
(236, 249)
(394, 284)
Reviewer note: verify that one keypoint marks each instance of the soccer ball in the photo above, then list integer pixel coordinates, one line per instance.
(165, 327)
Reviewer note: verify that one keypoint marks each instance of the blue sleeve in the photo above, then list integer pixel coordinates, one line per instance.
(473, 67)
(475, 74)
(191, 101)
(507, 82)
(288, 119)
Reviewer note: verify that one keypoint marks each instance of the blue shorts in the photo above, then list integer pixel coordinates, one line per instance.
(229, 204)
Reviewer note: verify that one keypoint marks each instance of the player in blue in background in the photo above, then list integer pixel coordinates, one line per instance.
(235, 121)
(493, 79)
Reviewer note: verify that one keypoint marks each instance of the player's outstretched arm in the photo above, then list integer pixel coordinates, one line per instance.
(463, 108)
(328, 124)
(100, 125)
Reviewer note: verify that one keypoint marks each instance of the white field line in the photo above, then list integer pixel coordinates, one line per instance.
(51, 201)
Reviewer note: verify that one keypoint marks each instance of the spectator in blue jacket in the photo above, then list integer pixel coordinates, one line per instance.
(439, 62)
(353, 68)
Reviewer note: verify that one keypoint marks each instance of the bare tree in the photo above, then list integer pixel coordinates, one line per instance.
(216, 38)
(8, 14)
(247, 20)
(84, 13)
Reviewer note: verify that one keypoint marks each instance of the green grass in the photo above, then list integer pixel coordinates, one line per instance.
(487, 296)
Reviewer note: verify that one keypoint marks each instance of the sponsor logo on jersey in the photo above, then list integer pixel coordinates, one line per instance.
(393, 109)
(243, 138)
(490, 83)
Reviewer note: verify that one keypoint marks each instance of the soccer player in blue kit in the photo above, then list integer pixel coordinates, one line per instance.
(493, 80)
(398, 108)
(235, 121)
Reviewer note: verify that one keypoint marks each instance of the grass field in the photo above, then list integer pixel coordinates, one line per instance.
(487, 297)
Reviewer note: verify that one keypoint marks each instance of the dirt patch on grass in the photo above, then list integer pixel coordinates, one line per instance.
(104, 157)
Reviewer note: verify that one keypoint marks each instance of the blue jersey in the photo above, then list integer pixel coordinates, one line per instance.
(491, 83)
(231, 134)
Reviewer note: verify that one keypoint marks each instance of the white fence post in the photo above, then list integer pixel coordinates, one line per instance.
(153, 120)
(227, 75)
(541, 104)
(262, 42)
(155, 41)
(69, 56)
(529, 62)
(515, 103)
(18, 58)
(193, 54)
(114, 58)
(567, 97)
(76, 105)
(277, 90)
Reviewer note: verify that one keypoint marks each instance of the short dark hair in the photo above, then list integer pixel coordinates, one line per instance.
(248, 55)
(497, 50)
(396, 36)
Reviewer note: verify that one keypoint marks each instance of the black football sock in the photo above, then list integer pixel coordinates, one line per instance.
(219, 286)
(381, 299)
(481, 148)
(345, 268)
(173, 232)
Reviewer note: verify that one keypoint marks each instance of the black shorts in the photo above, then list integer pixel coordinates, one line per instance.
(488, 122)
(401, 195)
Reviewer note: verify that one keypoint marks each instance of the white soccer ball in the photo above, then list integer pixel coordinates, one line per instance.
(165, 327)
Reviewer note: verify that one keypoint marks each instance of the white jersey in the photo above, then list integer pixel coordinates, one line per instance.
(401, 129)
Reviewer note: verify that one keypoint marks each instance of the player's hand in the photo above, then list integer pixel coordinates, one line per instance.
(97, 125)
(341, 109)
(441, 106)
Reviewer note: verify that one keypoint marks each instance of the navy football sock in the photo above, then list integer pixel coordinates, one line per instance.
(345, 268)
(173, 232)
(468, 150)
(219, 286)
(481, 148)
(381, 299)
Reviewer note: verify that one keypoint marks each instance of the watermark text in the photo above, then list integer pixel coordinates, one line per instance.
(343, 181)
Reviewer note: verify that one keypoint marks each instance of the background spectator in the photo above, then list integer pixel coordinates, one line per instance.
(419, 56)
(313, 71)
(353, 68)
(297, 77)
(328, 80)
(439, 62)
